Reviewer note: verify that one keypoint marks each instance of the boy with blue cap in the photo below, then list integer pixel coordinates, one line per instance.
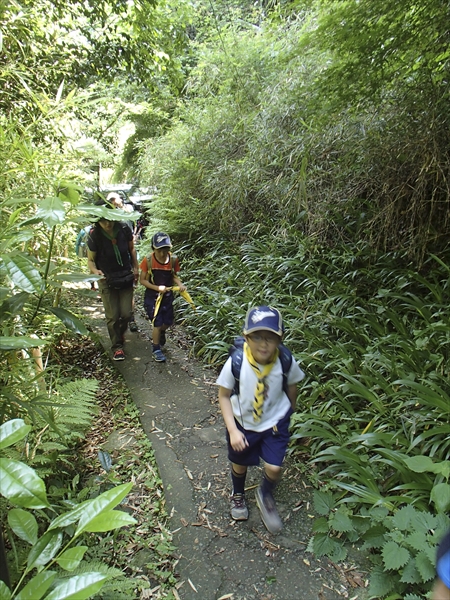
(158, 275)
(256, 405)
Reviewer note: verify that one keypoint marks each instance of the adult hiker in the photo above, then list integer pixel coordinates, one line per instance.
(116, 201)
(112, 255)
(158, 275)
(257, 396)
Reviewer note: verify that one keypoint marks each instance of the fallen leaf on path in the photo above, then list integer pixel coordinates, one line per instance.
(192, 586)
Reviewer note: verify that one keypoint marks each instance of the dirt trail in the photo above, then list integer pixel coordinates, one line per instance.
(219, 558)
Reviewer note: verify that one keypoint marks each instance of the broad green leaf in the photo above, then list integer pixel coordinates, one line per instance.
(20, 343)
(70, 321)
(394, 556)
(324, 545)
(112, 214)
(13, 431)
(23, 272)
(36, 587)
(412, 597)
(5, 592)
(109, 520)
(403, 517)
(45, 549)
(51, 211)
(71, 558)
(340, 521)
(78, 587)
(417, 540)
(102, 503)
(410, 573)
(13, 305)
(381, 583)
(323, 502)
(70, 517)
(440, 496)
(21, 485)
(320, 525)
(425, 567)
(23, 524)
(421, 464)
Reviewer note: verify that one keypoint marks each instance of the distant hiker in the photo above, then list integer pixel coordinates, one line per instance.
(158, 275)
(257, 396)
(111, 253)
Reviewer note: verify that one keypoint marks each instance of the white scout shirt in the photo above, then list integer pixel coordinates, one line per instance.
(276, 403)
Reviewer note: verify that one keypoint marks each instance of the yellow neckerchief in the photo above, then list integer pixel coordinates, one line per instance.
(259, 396)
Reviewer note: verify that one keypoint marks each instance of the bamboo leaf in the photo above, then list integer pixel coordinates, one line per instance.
(20, 343)
(78, 587)
(23, 524)
(13, 431)
(21, 485)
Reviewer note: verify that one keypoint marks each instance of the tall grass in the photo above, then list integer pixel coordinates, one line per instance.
(373, 336)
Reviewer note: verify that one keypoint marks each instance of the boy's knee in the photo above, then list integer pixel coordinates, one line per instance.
(239, 469)
(272, 471)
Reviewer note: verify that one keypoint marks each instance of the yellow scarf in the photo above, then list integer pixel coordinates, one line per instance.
(260, 389)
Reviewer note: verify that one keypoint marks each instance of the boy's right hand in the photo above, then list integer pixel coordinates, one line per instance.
(238, 441)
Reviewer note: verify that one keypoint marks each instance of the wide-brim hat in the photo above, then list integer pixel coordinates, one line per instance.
(263, 318)
(161, 240)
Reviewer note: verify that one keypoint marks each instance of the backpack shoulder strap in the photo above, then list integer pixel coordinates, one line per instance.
(237, 353)
(149, 268)
(285, 356)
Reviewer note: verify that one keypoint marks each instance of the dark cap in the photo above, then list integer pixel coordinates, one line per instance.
(263, 318)
(161, 240)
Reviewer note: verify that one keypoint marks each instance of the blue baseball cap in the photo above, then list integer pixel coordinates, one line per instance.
(161, 240)
(263, 318)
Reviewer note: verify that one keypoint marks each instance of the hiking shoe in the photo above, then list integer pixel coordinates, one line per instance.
(119, 354)
(159, 356)
(133, 326)
(269, 513)
(238, 507)
(162, 339)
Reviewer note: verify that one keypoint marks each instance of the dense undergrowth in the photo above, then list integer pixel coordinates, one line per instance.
(68, 452)
(373, 335)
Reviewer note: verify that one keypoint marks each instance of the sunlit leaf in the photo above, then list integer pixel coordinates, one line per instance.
(13, 431)
(23, 272)
(21, 485)
(23, 524)
(20, 343)
(37, 586)
(79, 587)
(45, 549)
(71, 558)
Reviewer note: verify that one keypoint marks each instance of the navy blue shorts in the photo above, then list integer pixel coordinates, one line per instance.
(165, 314)
(269, 445)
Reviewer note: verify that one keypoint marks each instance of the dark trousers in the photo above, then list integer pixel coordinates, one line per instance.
(118, 305)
